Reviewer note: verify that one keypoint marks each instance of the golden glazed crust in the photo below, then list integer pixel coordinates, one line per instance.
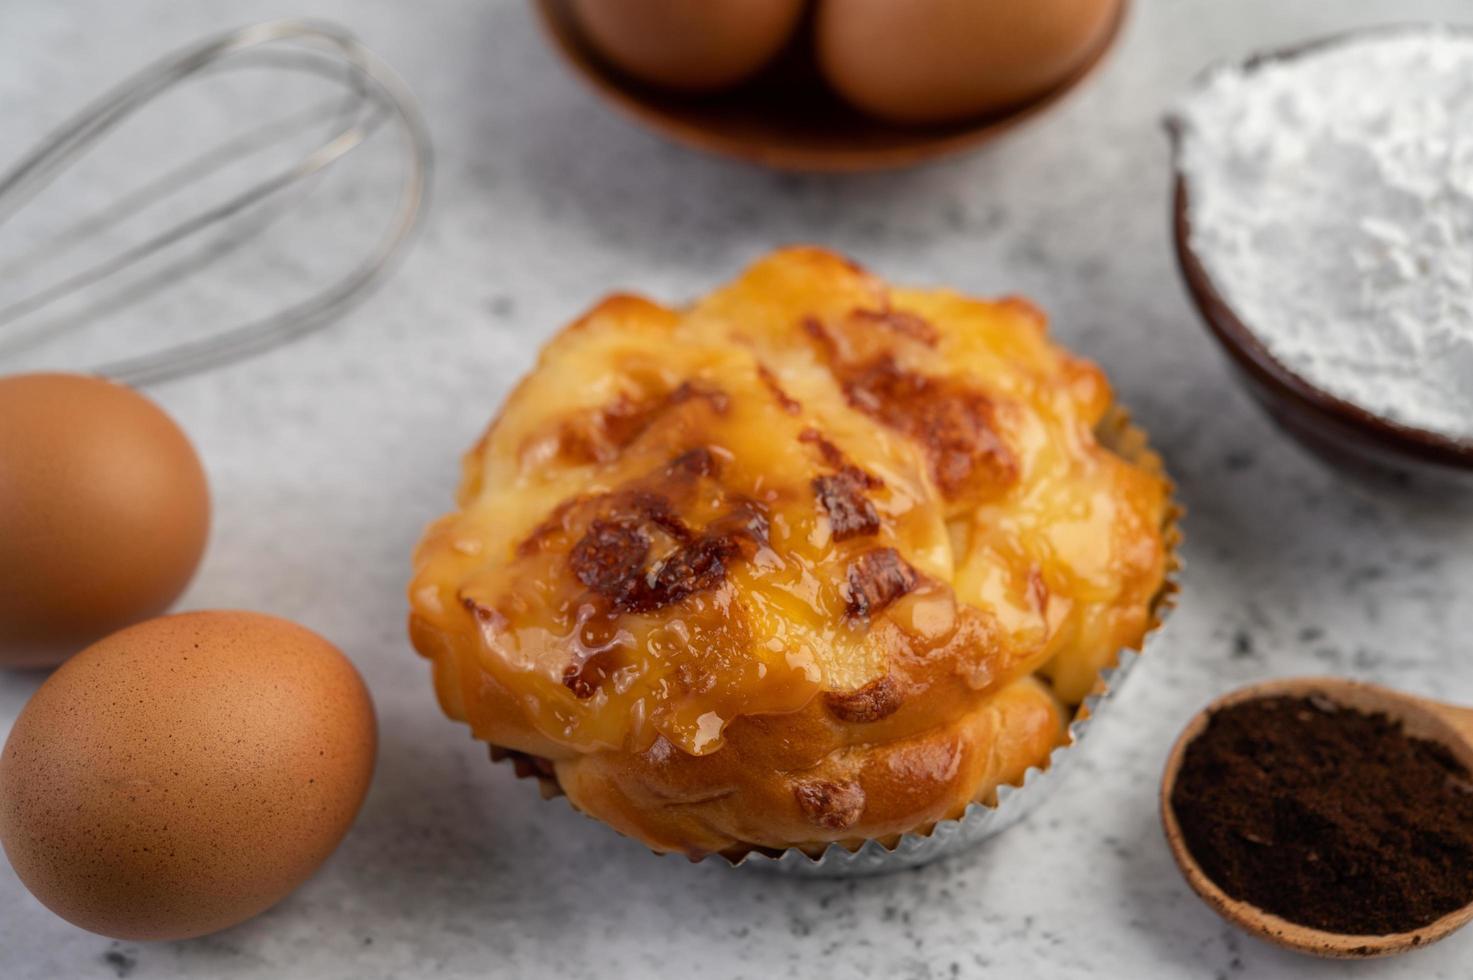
(814, 560)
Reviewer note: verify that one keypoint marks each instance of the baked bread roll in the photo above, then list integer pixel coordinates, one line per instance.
(813, 560)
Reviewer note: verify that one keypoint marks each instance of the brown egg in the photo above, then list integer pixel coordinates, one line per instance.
(691, 47)
(930, 61)
(185, 774)
(104, 513)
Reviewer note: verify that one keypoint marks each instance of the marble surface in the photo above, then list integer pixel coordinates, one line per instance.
(328, 457)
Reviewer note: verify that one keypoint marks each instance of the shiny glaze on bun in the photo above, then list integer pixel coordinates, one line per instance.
(812, 560)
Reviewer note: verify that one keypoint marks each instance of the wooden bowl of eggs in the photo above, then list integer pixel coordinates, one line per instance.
(832, 85)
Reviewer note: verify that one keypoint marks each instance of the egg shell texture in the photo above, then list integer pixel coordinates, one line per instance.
(185, 774)
(689, 47)
(104, 513)
(933, 61)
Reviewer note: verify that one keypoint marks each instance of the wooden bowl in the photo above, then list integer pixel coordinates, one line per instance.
(1336, 430)
(786, 117)
(1451, 725)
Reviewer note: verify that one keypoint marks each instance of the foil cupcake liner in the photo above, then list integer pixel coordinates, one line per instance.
(979, 821)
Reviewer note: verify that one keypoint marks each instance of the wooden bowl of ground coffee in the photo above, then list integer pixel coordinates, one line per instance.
(1327, 816)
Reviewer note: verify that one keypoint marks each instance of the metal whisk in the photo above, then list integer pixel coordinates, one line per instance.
(371, 95)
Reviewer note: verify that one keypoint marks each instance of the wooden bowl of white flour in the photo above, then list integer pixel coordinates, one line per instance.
(1324, 227)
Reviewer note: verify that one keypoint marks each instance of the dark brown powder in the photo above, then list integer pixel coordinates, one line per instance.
(1327, 816)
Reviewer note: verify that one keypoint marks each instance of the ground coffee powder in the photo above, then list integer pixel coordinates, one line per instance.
(1327, 816)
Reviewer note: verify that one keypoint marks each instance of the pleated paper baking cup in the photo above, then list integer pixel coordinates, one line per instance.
(979, 821)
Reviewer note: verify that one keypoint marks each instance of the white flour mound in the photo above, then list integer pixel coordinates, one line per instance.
(1332, 207)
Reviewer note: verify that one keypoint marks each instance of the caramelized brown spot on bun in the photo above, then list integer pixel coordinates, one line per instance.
(695, 567)
(952, 422)
(876, 579)
(656, 510)
(814, 328)
(583, 677)
(831, 453)
(688, 390)
(610, 558)
(834, 456)
(700, 461)
(788, 403)
(907, 324)
(835, 806)
(841, 494)
(599, 435)
(878, 699)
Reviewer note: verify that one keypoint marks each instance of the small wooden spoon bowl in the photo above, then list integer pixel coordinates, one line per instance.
(1421, 718)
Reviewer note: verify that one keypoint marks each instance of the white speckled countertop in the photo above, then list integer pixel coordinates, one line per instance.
(329, 456)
